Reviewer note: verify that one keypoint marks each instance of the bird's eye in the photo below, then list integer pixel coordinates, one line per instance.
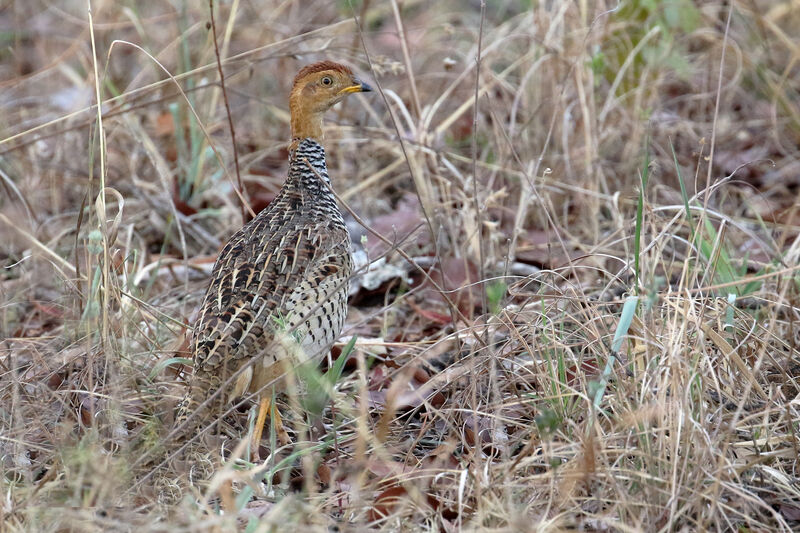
(327, 80)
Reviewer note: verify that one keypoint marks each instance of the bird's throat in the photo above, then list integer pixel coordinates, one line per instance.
(306, 123)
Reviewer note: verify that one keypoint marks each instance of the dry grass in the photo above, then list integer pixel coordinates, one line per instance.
(630, 362)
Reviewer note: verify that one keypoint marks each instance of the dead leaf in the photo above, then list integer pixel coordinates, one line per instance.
(386, 502)
(790, 512)
(396, 225)
(491, 434)
(165, 125)
(180, 205)
(428, 314)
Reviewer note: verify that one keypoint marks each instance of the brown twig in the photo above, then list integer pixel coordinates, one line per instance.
(245, 205)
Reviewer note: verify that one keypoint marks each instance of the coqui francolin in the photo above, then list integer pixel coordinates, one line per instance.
(278, 290)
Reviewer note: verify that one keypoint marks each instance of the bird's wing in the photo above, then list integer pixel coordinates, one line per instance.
(261, 274)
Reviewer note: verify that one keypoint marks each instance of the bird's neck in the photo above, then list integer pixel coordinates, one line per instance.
(306, 123)
(308, 186)
(307, 166)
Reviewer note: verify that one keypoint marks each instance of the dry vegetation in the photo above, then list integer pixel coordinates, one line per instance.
(584, 316)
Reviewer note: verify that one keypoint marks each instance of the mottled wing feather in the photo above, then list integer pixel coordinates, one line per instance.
(285, 270)
(244, 294)
(295, 272)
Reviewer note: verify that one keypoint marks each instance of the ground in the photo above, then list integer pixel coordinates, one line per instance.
(579, 231)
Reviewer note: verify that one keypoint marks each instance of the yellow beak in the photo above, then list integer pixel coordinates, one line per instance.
(359, 87)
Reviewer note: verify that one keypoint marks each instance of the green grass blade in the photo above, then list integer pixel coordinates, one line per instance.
(637, 238)
(625, 319)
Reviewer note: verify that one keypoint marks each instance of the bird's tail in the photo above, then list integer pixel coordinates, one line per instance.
(191, 410)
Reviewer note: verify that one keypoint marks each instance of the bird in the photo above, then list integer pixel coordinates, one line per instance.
(277, 296)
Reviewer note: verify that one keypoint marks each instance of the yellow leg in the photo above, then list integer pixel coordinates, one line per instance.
(264, 408)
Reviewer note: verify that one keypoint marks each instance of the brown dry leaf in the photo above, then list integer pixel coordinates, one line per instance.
(56, 379)
(457, 276)
(86, 408)
(430, 315)
(588, 370)
(742, 159)
(386, 502)
(396, 225)
(43, 318)
(492, 434)
(180, 205)
(164, 124)
(415, 398)
(385, 468)
(377, 378)
(533, 248)
(48, 309)
(324, 474)
(408, 390)
(543, 249)
(790, 512)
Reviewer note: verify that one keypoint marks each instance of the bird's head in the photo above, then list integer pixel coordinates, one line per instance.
(316, 88)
